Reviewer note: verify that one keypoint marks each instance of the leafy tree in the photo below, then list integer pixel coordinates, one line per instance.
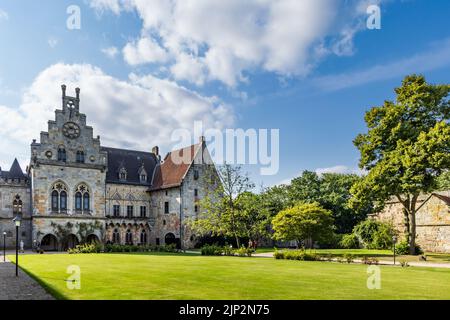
(221, 214)
(253, 217)
(406, 148)
(332, 192)
(443, 181)
(304, 221)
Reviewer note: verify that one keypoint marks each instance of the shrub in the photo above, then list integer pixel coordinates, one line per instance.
(403, 248)
(86, 248)
(243, 251)
(349, 241)
(228, 251)
(349, 257)
(300, 255)
(211, 250)
(372, 234)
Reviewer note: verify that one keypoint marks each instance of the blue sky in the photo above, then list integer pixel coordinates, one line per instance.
(145, 71)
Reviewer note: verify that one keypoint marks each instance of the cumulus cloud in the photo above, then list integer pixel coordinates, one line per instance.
(137, 113)
(144, 50)
(110, 52)
(224, 40)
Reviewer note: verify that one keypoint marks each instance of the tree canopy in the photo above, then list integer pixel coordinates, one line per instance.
(406, 148)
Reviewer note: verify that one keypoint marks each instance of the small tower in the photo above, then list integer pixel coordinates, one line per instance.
(70, 103)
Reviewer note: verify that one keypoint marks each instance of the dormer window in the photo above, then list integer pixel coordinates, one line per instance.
(142, 173)
(123, 174)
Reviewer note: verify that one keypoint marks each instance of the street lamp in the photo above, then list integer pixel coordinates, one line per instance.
(17, 221)
(394, 240)
(4, 246)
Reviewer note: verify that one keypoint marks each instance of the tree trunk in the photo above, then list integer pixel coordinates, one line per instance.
(412, 233)
(407, 228)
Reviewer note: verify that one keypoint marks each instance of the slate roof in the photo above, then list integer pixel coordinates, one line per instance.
(132, 161)
(170, 173)
(14, 173)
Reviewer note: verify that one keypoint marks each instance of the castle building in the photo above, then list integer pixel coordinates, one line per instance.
(76, 190)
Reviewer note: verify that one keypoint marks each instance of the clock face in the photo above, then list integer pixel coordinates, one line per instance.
(71, 130)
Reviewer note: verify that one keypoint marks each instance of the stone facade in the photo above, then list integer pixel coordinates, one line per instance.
(76, 190)
(432, 220)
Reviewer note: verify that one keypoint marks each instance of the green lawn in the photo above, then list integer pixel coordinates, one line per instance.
(176, 276)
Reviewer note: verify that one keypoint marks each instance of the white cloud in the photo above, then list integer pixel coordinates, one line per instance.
(110, 52)
(224, 40)
(144, 50)
(338, 169)
(137, 113)
(436, 57)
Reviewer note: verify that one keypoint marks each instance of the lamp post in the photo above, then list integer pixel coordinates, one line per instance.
(17, 221)
(4, 246)
(394, 240)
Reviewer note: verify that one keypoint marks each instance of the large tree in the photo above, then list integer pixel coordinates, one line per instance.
(406, 147)
(304, 221)
(332, 192)
(220, 213)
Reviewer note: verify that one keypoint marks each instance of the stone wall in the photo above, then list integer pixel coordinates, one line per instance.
(432, 222)
(8, 192)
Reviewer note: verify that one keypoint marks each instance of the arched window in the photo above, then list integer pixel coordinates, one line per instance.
(63, 201)
(86, 205)
(80, 156)
(116, 236)
(58, 197)
(129, 237)
(17, 205)
(143, 237)
(62, 156)
(78, 200)
(55, 201)
(82, 199)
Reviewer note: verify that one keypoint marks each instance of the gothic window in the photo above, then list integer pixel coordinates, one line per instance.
(62, 155)
(129, 237)
(78, 200)
(59, 197)
(143, 237)
(82, 199)
(123, 174)
(55, 201)
(116, 236)
(116, 210)
(63, 201)
(80, 157)
(143, 211)
(196, 174)
(196, 192)
(130, 210)
(17, 205)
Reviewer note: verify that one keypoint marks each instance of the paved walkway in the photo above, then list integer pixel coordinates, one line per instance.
(19, 288)
(381, 262)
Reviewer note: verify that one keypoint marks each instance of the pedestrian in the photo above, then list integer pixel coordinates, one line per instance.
(21, 246)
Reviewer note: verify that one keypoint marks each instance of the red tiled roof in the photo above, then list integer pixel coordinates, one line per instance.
(171, 172)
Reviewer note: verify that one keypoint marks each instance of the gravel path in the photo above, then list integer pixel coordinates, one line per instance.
(19, 288)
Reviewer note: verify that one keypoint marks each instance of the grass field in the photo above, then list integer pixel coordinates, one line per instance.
(176, 276)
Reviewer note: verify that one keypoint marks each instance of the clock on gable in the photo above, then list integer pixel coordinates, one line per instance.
(71, 130)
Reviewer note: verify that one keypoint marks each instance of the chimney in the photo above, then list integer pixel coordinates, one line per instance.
(155, 150)
(63, 88)
(77, 90)
(201, 139)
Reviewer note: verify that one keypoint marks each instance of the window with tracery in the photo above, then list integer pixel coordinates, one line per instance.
(82, 199)
(59, 197)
